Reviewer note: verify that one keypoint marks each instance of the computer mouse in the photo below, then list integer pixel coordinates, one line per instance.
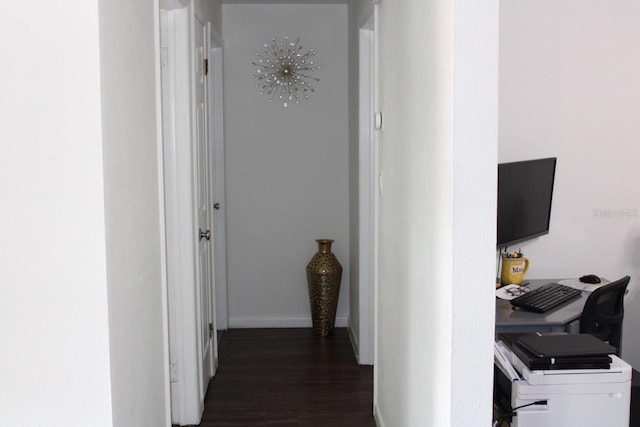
(590, 278)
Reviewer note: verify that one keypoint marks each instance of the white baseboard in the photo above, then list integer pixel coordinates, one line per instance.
(277, 322)
(377, 416)
(354, 340)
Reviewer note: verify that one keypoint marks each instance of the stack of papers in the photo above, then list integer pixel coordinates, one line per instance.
(503, 363)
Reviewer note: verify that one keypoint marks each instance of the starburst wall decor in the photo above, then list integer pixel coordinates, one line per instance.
(282, 71)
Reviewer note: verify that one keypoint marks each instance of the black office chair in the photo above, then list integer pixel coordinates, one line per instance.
(603, 313)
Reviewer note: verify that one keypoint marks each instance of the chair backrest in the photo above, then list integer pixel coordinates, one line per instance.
(603, 313)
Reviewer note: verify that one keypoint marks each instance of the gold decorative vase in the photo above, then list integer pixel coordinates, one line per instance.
(324, 273)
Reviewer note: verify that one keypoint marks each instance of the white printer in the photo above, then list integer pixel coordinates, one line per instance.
(563, 398)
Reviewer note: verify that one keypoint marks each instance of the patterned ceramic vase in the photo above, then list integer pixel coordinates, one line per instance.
(324, 273)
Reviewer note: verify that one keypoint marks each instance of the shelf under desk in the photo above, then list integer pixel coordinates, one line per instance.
(564, 318)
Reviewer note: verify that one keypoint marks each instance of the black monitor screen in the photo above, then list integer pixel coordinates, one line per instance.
(525, 190)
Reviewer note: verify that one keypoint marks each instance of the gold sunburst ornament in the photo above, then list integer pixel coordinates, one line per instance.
(282, 71)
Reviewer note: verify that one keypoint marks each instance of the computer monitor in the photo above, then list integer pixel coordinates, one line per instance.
(525, 191)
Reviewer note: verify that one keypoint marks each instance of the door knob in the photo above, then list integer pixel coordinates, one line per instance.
(216, 206)
(205, 234)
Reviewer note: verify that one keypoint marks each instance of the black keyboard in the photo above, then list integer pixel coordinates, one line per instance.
(545, 297)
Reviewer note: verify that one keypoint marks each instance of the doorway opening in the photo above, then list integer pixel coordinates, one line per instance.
(194, 152)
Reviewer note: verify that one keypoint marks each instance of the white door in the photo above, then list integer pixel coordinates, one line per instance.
(188, 173)
(213, 53)
(205, 273)
(216, 133)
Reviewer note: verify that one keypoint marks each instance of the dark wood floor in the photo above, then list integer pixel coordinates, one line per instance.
(288, 378)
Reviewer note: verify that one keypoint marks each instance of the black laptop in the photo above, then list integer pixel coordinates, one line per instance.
(577, 345)
(560, 351)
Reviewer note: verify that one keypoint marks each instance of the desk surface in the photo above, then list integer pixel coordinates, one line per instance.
(509, 319)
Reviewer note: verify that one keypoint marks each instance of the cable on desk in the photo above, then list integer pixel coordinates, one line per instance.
(513, 413)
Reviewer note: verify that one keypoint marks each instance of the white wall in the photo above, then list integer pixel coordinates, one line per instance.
(287, 168)
(475, 148)
(132, 209)
(414, 347)
(363, 9)
(211, 9)
(53, 310)
(438, 153)
(82, 306)
(569, 87)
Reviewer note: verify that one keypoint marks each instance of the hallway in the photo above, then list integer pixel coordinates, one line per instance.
(288, 378)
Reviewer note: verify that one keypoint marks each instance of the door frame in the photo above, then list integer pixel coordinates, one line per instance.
(180, 249)
(368, 188)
